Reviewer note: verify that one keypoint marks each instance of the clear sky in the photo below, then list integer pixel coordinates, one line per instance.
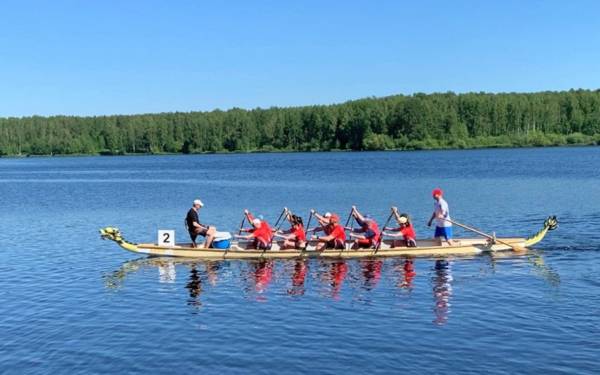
(122, 57)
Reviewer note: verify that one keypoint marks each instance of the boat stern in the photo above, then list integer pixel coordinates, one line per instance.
(551, 223)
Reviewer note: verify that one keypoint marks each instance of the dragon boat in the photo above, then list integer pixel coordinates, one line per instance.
(240, 249)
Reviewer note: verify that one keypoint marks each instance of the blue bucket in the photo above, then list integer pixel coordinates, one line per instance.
(221, 244)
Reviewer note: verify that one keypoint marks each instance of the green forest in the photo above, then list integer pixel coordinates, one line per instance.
(400, 122)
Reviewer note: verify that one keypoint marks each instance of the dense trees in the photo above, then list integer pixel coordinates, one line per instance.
(397, 122)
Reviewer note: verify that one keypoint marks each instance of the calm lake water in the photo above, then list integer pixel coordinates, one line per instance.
(72, 303)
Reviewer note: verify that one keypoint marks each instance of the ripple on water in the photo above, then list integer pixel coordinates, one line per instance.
(75, 304)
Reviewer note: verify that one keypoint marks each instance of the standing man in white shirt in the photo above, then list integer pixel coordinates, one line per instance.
(441, 214)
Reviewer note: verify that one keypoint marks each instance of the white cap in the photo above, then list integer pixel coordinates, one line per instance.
(199, 202)
(327, 214)
(256, 222)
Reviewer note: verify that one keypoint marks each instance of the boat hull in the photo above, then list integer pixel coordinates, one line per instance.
(241, 250)
(466, 247)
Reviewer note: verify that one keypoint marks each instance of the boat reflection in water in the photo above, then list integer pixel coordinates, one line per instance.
(298, 278)
(194, 286)
(406, 269)
(263, 274)
(166, 272)
(442, 290)
(335, 277)
(267, 278)
(371, 272)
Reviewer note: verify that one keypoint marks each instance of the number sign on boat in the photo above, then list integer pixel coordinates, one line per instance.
(166, 237)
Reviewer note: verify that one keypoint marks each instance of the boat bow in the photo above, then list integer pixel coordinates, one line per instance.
(114, 234)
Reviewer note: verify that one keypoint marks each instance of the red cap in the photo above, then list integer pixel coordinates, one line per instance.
(334, 218)
(437, 191)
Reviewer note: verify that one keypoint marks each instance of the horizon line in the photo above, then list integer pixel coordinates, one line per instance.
(257, 108)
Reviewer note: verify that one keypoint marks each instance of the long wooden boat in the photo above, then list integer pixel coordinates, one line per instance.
(239, 249)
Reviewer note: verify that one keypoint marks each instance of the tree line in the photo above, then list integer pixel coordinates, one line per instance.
(400, 122)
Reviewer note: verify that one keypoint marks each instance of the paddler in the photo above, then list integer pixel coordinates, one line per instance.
(323, 222)
(367, 234)
(195, 228)
(260, 231)
(441, 214)
(295, 237)
(336, 235)
(405, 230)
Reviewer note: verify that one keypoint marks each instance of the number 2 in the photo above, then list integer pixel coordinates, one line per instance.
(166, 237)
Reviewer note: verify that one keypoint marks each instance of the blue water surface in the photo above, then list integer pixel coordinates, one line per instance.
(72, 303)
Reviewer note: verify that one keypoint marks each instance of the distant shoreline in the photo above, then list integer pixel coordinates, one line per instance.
(414, 122)
(33, 156)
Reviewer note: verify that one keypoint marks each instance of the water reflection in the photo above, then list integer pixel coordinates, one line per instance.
(298, 277)
(406, 269)
(166, 272)
(265, 279)
(534, 258)
(263, 274)
(371, 271)
(194, 286)
(335, 277)
(442, 290)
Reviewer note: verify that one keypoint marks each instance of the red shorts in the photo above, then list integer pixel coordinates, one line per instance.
(364, 243)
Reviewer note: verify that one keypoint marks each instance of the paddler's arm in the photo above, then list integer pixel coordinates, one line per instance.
(396, 214)
(285, 236)
(325, 238)
(357, 216)
(249, 216)
(355, 230)
(433, 216)
(320, 218)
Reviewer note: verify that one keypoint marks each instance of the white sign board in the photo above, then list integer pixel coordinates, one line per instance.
(166, 237)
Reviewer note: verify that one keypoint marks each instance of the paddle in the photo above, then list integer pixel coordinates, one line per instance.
(493, 238)
(396, 214)
(277, 225)
(242, 225)
(348, 222)
(381, 231)
(280, 216)
(306, 230)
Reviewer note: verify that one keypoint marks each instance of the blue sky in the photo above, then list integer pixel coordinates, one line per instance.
(122, 57)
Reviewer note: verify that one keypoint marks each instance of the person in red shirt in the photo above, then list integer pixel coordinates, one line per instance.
(336, 239)
(261, 232)
(367, 235)
(323, 222)
(295, 237)
(405, 230)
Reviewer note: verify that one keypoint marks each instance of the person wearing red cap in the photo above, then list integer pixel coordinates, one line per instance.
(336, 237)
(441, 214)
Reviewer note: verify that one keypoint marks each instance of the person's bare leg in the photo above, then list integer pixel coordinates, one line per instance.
(210, 235)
